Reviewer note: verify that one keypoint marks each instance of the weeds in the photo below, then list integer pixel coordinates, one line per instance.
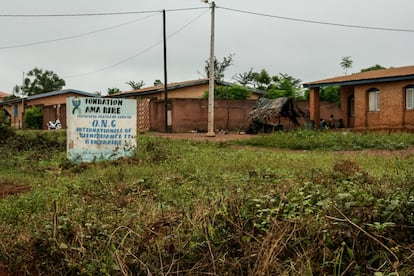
(187, 208)
(330, 140)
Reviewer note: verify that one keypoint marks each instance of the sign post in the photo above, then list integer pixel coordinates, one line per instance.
(100, 128)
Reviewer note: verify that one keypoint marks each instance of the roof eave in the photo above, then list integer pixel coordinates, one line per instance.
(174, 86)
(359, 82)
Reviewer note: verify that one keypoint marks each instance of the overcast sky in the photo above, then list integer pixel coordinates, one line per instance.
(94, 53)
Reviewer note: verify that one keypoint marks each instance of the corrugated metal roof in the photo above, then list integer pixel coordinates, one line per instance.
(53, 93)
(60, 92)
(172, 86)
(383, 75)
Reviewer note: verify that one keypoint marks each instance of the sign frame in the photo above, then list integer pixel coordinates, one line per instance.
(100, 128)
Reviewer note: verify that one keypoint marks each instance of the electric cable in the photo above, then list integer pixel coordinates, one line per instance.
(96, 14)
(73, 36)
(318, 22)
(137, 54)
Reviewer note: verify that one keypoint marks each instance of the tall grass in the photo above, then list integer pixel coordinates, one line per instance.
(192, 208)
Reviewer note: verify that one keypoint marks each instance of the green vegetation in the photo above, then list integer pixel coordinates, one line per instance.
(38, 81)
(330, 140)
(192, 208)
(346, 63)
(372, 68)
(232, 92)
(5, 130)
(33, 118)
(282, 85)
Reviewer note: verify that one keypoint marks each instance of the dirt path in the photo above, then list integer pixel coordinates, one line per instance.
(7, 189)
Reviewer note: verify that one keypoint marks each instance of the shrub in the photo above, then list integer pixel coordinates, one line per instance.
(233, 92)
(6, 131)
(33, 118)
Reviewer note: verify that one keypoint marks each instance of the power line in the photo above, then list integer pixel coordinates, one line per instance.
(139, 53)
(224, 8)
(74, 36)
(95, 14)
(319, 22)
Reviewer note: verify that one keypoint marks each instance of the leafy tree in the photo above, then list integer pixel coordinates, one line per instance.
(372, 68)
(39, 81)
(245, 79)
(113, 90)
(330, 94)
(219, 67)
(282, 85)
(136, 85)
(262, 80)
(346, 63)
(233, 92)
(33, 118)
(287, 86)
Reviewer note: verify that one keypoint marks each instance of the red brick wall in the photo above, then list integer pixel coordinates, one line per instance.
(392, 115)
(191, 114)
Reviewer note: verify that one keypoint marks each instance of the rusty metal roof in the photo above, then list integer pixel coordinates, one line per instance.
(175, 85)
(375, 76)
(50, 94)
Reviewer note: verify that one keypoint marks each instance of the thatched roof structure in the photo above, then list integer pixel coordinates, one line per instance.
(266, 109)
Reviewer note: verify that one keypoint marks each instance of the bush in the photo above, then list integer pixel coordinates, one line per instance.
(6, 131)
(33, 118)
(33, 140)
(233, 92)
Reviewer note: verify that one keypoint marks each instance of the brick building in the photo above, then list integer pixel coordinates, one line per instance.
(380, 100)
(193, 89)
(3, 95)
(52, 104)
(186, 108)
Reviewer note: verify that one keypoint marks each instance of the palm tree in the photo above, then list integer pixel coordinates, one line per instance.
(113, 90)
(346, 63)
(136, 85)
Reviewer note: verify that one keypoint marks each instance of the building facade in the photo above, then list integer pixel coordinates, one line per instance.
(379, 100)
(52, 104)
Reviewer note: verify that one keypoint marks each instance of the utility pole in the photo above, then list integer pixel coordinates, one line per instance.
(210, 131)
(165, 73)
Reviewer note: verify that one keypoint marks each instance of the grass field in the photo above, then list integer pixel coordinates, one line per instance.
(290, 203)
